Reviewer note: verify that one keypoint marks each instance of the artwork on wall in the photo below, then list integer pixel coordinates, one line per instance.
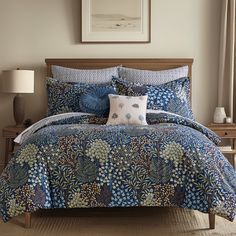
(115, 21)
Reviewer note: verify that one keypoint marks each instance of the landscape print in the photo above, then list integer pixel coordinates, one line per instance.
(117, 15)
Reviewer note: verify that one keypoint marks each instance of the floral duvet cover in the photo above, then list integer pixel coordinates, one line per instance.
(78, 161)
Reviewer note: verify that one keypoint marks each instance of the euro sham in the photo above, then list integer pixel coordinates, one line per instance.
(65, 97)
(173, 96)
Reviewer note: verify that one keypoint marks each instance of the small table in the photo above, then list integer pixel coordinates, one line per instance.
(226, 131)
(10, 133)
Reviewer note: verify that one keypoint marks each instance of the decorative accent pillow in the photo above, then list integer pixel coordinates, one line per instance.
(172, 97)
(96, 100)
(152, 77)
(64, 97)
(97, 76)
(127, 110)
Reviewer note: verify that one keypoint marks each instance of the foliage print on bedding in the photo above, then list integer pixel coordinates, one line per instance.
(173, 96)
(65, 96)
(81, 162)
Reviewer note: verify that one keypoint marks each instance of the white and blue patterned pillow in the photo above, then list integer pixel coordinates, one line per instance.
(90, 76)
(96, 100)
(127, 110)
(173, 96)
(64, 97)
(152, 77)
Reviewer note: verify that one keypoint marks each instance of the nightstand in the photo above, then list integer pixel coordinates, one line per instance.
(226, 131)
(10, 133)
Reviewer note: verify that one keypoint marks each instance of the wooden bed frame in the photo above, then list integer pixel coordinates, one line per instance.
(141, 63)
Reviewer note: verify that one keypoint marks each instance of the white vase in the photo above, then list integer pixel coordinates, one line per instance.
(219, 115)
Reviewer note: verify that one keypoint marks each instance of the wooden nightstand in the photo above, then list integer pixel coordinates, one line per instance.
(10, 133)
(226, 131)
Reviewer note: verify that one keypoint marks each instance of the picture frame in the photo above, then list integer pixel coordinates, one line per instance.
(115, 21)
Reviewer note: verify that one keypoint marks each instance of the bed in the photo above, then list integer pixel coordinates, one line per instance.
(77, 161)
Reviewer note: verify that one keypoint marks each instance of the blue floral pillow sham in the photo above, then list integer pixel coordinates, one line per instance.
(96, 100)
(173, 96)
(64, 97)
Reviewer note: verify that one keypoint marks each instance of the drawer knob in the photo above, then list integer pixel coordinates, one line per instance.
(226, 133)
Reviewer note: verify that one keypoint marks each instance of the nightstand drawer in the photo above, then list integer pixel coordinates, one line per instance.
(226, 133)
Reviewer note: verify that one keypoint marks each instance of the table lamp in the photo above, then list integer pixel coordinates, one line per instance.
(18, 81)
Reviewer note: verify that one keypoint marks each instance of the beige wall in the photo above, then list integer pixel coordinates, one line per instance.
(32, 30)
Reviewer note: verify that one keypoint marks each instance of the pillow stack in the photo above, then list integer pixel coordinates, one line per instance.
(76, 90)
(96, 91)
(172, 97)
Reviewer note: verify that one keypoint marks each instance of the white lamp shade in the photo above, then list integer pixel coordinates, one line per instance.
(17, 81)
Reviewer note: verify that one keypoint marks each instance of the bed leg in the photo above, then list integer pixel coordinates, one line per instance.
(27, 220)
(212, 219)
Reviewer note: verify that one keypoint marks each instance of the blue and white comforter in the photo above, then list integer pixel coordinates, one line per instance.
(78, 161)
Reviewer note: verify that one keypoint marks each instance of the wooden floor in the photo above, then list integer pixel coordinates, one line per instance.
(122, 222)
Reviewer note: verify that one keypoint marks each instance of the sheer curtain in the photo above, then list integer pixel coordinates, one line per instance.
(227, 64)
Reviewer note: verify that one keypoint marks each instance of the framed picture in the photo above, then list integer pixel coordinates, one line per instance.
(115, 21)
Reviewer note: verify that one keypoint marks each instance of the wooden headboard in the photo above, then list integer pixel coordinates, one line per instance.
(141, 63)
(146, 64)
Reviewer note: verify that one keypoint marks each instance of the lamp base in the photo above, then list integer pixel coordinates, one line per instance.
(19, 110)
